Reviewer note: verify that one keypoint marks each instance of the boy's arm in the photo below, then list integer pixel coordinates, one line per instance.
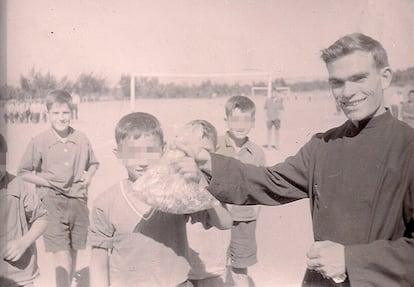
(34, 178)
(30, 161)
(99, 267)
(92, 168)
(15, 248)
(35, 215)
(87, 176)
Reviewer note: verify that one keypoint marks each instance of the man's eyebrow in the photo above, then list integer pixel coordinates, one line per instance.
(349, 78)
(358, 76)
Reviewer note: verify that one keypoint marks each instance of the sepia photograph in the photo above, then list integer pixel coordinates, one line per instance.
(195, 143)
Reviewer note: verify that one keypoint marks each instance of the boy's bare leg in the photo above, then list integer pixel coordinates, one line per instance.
(240, 277)
(269, 136)
(276, 138)
(65, 264)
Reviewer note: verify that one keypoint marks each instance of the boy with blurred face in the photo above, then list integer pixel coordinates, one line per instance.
(134, 244)
(61, 163)
(24, 219)
(240, 118)
(359, 178)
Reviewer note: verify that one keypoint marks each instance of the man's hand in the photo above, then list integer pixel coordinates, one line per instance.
(190, 141)
(187, 167)
(328, 258)
(15, 249)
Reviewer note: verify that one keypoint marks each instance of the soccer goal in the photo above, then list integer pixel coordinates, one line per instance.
(172, 85)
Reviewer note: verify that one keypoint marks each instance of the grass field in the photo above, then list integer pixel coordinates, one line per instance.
(284, 233)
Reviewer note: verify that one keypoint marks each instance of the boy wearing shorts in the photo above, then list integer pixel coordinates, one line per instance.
(273, 107)
(61, 163)
(24, 219)
(240, 117)
(132, 243)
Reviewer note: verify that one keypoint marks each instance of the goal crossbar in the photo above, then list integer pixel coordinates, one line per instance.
(203, 75)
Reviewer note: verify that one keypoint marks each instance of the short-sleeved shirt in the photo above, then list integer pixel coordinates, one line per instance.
(19, 208)
(273, 106)
(149, 249)
(249, 153)
(60, 162)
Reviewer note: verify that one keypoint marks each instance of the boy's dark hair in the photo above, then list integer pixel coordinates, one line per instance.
(3, 144)
(240, 102)
(58, 96)
(209, 131)
(134, 125)
(356, 42)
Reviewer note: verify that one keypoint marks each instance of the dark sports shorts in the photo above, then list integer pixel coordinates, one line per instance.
(68, 222)
(243, 246)
(275, 123)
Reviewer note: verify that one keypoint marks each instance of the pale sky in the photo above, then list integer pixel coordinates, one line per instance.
(194, 36)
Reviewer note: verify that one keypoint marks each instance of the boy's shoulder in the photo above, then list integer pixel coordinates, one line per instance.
(109, 195)
(16, 186)
(48, 136)
(255, 148)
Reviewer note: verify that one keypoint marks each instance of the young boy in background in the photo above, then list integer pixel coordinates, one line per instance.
(24, 219)
(274, 108)
(240, 118)
(61, 163)
(132, 243)
(208, 245)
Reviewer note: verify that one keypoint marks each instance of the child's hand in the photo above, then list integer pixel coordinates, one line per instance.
(15, 249)
(85, 180)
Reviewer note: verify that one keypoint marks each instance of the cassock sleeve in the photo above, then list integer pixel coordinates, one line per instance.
(235, 182)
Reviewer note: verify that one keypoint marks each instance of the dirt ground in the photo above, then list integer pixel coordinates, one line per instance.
(284, 233)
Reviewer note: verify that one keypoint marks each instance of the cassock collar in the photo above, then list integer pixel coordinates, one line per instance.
(369, 123)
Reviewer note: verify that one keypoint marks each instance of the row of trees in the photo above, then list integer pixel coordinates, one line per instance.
(36, 84)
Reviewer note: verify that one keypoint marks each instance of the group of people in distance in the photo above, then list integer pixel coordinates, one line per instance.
(32, 110)
(358, 177)
(24, 111)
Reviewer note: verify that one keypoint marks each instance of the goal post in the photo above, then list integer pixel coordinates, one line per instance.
(183, 79)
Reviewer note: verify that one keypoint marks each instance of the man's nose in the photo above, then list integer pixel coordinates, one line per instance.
(349, 89)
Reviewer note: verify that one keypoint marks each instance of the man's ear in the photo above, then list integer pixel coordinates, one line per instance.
(386, 77)
(115, 152)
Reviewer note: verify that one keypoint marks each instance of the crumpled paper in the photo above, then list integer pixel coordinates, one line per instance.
(163, 188)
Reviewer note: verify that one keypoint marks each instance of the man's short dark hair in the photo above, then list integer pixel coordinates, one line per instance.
(356, 42)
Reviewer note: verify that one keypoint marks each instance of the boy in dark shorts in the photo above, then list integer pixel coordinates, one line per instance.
(61, 163)
(240, 118)
(273, 107)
